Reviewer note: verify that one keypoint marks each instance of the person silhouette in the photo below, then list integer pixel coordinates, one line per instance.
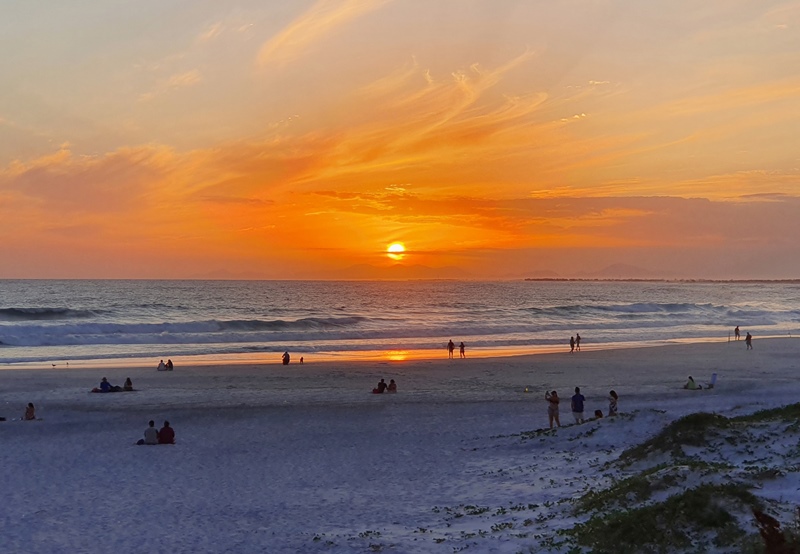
(736, 333)
(461, 350)
(748, 340)
(577, 342)
(286, 358)
(450, 348)
(572, 344)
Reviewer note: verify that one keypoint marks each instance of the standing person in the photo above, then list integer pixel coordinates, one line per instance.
(612, 403)
(577, 405)
(30, 412)
(461, 348)
(748, 340)
(578, 342)
(572, 344)
(736, 333)
(552, 407)
(286, 358)
(166, 435)
(450, 347)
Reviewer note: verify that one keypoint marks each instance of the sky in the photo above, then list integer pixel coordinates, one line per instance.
(489, 138)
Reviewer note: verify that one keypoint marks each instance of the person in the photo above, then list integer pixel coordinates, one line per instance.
(301, 360)
(691, 385)
(461, 350)
(161, 366)
(577, 405)
(150, 434)
(552, 407)
(30, 412)
(598, 414)
(450, 347)
(286, 358)
(572, 344)
(577, 342)
(169, 365)
(128, 386)
(612, 403)
(748, 340)
(380, 388)
(736, 333)
(392, 386)
(105, 386)
(166, 435)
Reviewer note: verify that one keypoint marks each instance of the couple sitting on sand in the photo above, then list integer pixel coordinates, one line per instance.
(164, 366)
(166, 435)
(105, 386)
(692, 385)
(383, 387)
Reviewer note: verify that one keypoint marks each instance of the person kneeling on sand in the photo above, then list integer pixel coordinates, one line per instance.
(166, 435)
(150, 434)
(392, 386)
(30, 412)
(691, 385)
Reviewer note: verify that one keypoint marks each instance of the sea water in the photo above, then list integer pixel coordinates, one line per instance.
(61, 321)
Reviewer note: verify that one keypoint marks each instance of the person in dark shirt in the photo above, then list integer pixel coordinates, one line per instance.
(380, 388)
(577, 405)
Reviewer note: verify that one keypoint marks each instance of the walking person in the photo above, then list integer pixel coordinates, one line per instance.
(571, 345)
(748, 340)
(461, 348)
(578, 342)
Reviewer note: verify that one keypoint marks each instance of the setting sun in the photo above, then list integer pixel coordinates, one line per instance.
(396, 250)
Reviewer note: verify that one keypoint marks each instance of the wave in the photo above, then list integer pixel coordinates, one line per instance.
(34, 314)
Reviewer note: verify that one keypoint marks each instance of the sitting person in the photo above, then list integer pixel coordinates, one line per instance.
(598, 414)
(150, 434)
(169, 365)
(392, 386)
(128, 386)
(105, 386)
(161, 366)
(166, 435)
(691, 385)
(30, 412)
(380, 388)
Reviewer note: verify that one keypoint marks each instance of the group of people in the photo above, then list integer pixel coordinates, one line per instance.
(451, 347)
(383, 387)
(165, 435)
(165, 366)
(577, 406)
(575, 343)
(105, 386)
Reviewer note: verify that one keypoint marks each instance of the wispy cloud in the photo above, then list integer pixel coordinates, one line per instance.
(174, 82)
(322, 19)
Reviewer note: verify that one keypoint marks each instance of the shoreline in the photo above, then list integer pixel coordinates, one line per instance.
(356, 356)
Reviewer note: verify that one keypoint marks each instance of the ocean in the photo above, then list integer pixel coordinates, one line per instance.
(55, 321)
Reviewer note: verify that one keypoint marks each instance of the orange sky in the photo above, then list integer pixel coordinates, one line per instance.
(494, 139)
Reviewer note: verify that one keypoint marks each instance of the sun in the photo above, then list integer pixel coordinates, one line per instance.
(396, 251)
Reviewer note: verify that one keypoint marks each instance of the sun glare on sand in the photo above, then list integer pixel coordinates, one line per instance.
(396, 250)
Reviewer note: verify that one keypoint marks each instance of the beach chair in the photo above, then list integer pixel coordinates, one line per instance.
(713, 381)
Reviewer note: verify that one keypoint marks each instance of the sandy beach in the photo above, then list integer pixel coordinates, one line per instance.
(303, 458)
